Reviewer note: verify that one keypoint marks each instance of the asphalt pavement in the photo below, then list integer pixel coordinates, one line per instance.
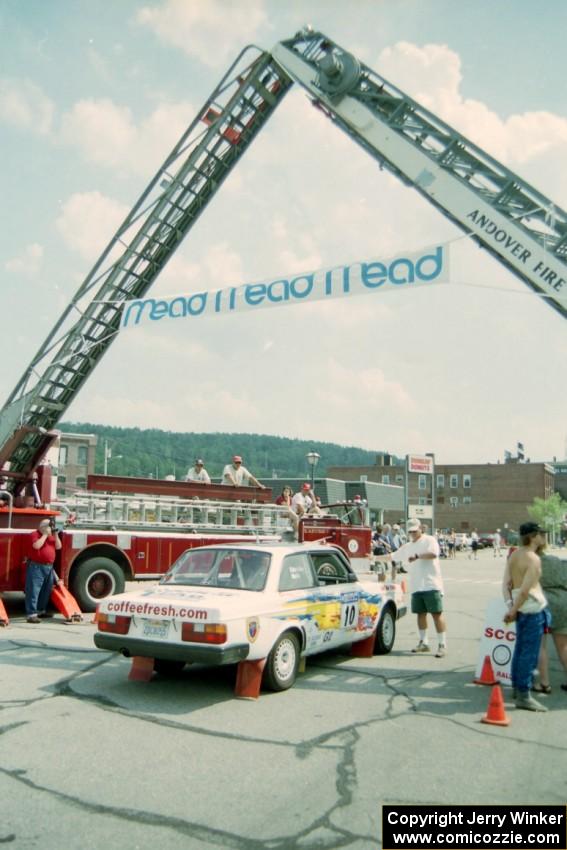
(90, 759)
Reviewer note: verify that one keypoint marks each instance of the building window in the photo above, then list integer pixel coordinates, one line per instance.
(467, 500)
(440, 481)
(467, 481)
(453, 481)
(423, 500)
(385, 479)
(440, 500)
(81, 483)
(454, 501)
(82, 455)
(422, 482)
(363, 478)
(63, 455)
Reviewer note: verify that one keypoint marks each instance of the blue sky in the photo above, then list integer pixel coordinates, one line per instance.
(93, 96)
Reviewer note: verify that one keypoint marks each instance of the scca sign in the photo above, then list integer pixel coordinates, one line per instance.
(497, 642)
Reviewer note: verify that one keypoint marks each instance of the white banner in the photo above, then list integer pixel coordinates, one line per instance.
(497, 642)
(430, 265)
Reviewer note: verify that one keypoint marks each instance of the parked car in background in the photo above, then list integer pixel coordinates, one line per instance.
(486, 541)
(229, 603)
(462, 542)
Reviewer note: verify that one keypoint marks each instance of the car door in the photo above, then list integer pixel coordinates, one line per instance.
(339, 597)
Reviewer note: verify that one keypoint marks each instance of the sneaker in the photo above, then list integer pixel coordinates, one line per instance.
(527, 702)
(34, 619)
(441, 652)
(421, 647)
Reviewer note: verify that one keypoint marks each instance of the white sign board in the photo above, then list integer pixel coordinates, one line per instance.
(420, 463)
(497, 641)
(420, 512)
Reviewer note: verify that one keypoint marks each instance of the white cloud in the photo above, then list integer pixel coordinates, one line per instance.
(107, 134)
(28, 263)
(103, 131)
(87, 222)
(25, 106)
(432, 75)
(213, 32)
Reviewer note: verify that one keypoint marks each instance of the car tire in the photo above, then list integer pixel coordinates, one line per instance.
(168, 667)
(283, 662)
(386, 632)
(95, 579)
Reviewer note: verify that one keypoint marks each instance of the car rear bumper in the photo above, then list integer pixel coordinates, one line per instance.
(213, 655)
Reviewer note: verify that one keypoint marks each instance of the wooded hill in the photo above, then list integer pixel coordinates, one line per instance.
(138, 452)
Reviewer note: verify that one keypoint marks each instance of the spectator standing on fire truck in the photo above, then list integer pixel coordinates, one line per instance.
(40, 575)
(426, 585)
(305, 502)
(198, 473)
(236, 475)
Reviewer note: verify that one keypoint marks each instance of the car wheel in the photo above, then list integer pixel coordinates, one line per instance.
(95, 579)
(386, 632)
(168, 667)
(283, 662)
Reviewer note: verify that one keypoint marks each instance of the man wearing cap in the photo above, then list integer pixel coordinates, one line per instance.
(304, 501)
(198, 473)
(236, 475)
(426, 585)
(40, 575)
(528, 608)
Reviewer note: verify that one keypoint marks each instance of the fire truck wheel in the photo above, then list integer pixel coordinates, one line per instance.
(95, 579)
(167, 667)
(386, 632)
(283, 661)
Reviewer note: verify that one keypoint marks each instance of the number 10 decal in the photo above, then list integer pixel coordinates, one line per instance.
(350, 615)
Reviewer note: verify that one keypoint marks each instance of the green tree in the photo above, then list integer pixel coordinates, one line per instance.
(549, 513)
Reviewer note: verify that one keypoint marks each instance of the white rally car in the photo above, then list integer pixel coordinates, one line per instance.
(238, 603)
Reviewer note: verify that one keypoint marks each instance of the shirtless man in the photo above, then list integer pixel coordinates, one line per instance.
(528, 607)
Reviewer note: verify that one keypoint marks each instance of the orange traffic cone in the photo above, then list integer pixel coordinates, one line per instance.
(249, 678)
(487, 676)
(142, 669)
(495, 713)
(4, 620)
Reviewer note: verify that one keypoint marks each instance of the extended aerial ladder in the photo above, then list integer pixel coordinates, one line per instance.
(520, 227)
(189, 178)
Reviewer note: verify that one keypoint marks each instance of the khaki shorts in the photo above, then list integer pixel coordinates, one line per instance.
(427, 602)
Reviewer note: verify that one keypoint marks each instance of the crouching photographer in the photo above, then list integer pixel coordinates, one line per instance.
(40, 574)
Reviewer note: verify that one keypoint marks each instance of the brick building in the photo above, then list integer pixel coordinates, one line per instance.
(76, 461)
(465, 496)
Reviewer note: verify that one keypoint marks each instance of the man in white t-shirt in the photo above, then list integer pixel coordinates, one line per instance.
(236, 475)
(304, 501)
(198, 473)
(426, 584)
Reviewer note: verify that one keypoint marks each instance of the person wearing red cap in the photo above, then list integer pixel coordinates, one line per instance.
(304, 501)
(236, 475)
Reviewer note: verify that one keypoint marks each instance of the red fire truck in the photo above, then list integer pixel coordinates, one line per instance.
(123, 532)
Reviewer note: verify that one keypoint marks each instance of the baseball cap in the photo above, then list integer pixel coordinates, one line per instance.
(413, 525)
(531, 528)
(306, 486)
(237, 459)
(198, 462)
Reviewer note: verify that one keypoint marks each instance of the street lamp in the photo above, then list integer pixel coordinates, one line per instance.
(108, 455)
(312, 460)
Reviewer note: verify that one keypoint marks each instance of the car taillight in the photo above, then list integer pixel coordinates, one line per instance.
(204, 632)
(113, 623)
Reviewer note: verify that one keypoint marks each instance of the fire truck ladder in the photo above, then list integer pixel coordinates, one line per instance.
(213, 144)
(170, 514)
(519, 226)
